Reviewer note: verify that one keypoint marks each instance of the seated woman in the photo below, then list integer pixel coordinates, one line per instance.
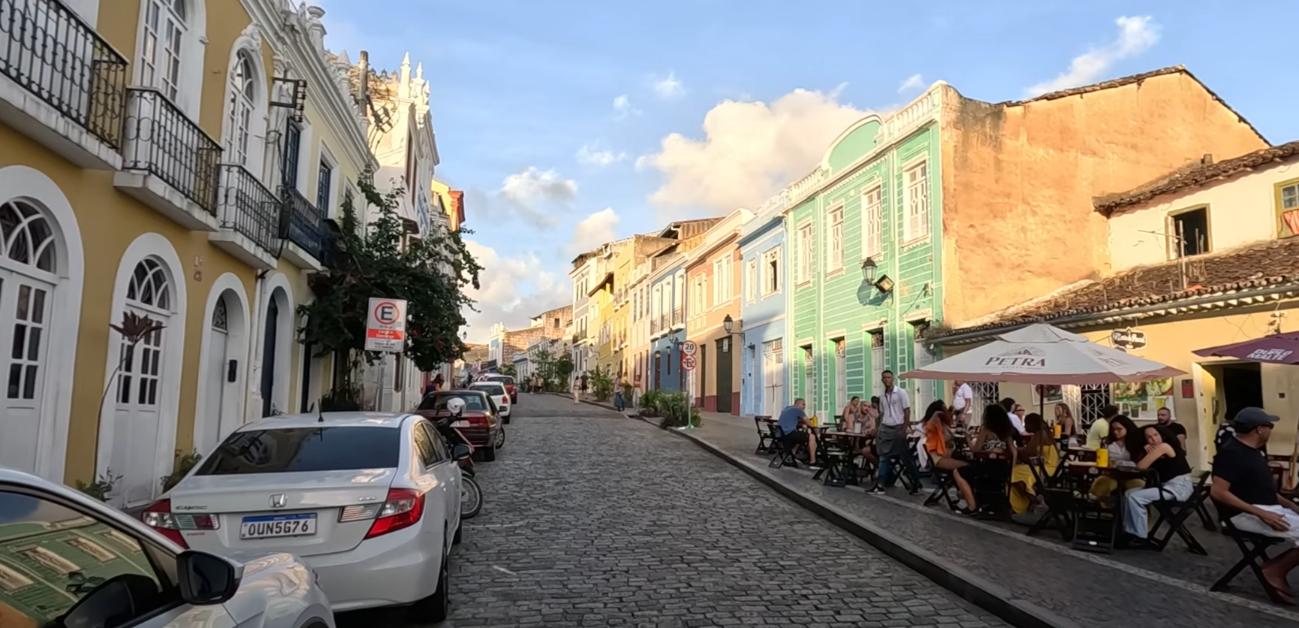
(869, 417)
(1124, 438)
(1068, 426)
(995, 436)
(852, 415)
(1041, 444)
(940, 444)
(1170, 480)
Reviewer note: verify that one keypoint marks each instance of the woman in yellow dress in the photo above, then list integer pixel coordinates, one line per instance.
(1040, 444)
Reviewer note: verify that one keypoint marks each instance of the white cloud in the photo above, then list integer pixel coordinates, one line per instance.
(594, 230)
(512, 290)
(669, 86)
(915, 81)
(1136, 35)
(750, 150)
(622, 107)
(594, 157)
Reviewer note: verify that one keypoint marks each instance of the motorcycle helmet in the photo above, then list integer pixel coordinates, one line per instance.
(456, 406)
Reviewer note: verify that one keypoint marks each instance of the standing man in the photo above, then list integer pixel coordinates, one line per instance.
(891, 438)
(962, 401)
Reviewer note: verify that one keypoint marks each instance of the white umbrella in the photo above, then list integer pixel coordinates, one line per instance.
(1042, 354)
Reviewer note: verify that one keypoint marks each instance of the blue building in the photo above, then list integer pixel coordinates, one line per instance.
(667, 290)
(762, 253)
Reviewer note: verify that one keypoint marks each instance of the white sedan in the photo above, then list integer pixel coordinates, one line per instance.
(499, 395)
(80, 563)
(370, 501)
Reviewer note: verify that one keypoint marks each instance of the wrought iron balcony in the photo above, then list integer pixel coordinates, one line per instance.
(303, 224)
(249, 214)
(48, 50)
(677, 318)
(169, 163)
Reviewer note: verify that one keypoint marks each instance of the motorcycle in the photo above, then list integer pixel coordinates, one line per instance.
(471, 495)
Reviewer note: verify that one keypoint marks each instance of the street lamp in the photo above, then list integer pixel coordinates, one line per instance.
(728, 323)
(868, 269)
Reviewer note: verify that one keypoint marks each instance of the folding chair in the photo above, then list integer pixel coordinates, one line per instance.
(1173, 515)
(943, 492)
(1095, 525)
(834, 457)
(784, 451)
(1059, 497)
(766, 435)
(1254, 551)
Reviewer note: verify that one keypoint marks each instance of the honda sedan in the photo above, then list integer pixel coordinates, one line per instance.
(370, 501)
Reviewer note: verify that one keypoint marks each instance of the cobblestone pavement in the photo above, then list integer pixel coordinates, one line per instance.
(1123, 589)
(596, 520)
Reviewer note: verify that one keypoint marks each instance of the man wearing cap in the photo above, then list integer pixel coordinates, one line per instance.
(1246, 494)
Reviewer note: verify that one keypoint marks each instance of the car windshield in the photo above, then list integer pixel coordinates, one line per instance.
(504, 379)
(305, 449)
(491, 389)
(438, 401)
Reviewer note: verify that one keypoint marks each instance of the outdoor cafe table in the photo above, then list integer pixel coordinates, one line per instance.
(1121, 476)
(842, 471)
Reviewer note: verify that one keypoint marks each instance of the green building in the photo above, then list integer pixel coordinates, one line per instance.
(864, 234)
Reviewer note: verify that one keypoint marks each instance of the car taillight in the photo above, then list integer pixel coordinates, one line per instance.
(478, 421)
(159, 517)
(403, 509)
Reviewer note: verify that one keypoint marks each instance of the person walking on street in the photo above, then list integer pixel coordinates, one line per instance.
(577, 389)
(619, 398)
(582, 383)
(891, 439)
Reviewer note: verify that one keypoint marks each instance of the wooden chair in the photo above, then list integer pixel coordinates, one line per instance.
(1254, 550)
(1173, 515)
(766, 434)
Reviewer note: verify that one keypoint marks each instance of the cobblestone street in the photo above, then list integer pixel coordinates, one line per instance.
(595, 520)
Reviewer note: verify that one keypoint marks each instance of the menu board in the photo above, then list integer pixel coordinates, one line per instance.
(1142, 400)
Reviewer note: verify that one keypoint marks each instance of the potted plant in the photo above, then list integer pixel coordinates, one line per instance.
(101, 487)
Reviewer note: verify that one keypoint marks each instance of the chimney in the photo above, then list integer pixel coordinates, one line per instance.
(1207, 159)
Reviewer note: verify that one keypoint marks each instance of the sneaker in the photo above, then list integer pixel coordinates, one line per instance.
(877, 490)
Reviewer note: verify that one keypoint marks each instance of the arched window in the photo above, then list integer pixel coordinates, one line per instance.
(28, 244)
(27, 236)
(164, 31)
(243, 93)
(147, 294)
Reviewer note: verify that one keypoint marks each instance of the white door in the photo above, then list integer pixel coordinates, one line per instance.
(218, 337)
(773, 378)
(136, 416)
(24, 314)
(840, 377)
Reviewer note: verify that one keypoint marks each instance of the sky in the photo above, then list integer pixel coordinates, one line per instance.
(570, 123)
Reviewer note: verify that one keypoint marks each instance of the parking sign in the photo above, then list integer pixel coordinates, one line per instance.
(386, 328)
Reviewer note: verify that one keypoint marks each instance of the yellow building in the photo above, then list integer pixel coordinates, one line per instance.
(150, 181)
(1204, 258)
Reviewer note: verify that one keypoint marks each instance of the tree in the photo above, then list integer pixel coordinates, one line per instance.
(431, 274)
(508, 369)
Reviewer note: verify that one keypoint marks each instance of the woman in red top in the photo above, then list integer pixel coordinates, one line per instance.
(940, 443)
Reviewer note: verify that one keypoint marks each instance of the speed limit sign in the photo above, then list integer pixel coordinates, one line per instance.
(689, 347)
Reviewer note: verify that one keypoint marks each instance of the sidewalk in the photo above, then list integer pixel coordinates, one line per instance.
(1126, 588)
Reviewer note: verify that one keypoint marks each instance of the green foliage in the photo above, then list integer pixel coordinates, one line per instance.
(341, 399)
(649, 403)
(508, 369)
(431, 274)
(101, 487)
(601, 384)
(184, 462)
(563, 370)
(674, 408)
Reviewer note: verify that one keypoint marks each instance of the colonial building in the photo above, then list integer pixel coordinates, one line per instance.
(507, 345)
(210, 233)
(582, 276)
(1203, 256)
(713, 283)
(404, 144)
(762, 254)
(952, 208)
(666, 290)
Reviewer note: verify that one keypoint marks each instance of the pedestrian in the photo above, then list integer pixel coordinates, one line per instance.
(582, 382)
(636, 393)
(962, 401)
(577, 389)
(618, 398)
(891, 441)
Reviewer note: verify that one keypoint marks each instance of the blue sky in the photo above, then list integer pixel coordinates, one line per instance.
(571, 122)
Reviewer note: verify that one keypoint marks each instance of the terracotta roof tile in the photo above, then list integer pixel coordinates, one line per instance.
(1259, 266)
(1196, 175)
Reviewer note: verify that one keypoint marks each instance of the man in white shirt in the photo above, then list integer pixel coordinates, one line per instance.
(891, 438)
(962, 401)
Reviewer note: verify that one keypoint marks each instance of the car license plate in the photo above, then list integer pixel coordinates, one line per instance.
(271, 526)
(462, 424)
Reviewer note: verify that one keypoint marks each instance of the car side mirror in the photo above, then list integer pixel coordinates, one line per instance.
(119, 597)
(207, 579)
(460, 452)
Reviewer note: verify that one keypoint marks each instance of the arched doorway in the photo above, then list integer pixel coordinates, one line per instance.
(137, 413)
(27, 280)
(277, 348)
(221, 374)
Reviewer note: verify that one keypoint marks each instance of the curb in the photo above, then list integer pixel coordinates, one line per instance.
(982, 593)
(587, 402)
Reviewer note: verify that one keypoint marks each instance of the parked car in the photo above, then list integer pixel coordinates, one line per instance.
(370, 501)
(508, 382)
(480, 423)
(110, 570)
(499, 396)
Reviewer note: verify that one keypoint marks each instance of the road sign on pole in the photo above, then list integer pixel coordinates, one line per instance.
(689, 347)
(688, 362)
(385, 329)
